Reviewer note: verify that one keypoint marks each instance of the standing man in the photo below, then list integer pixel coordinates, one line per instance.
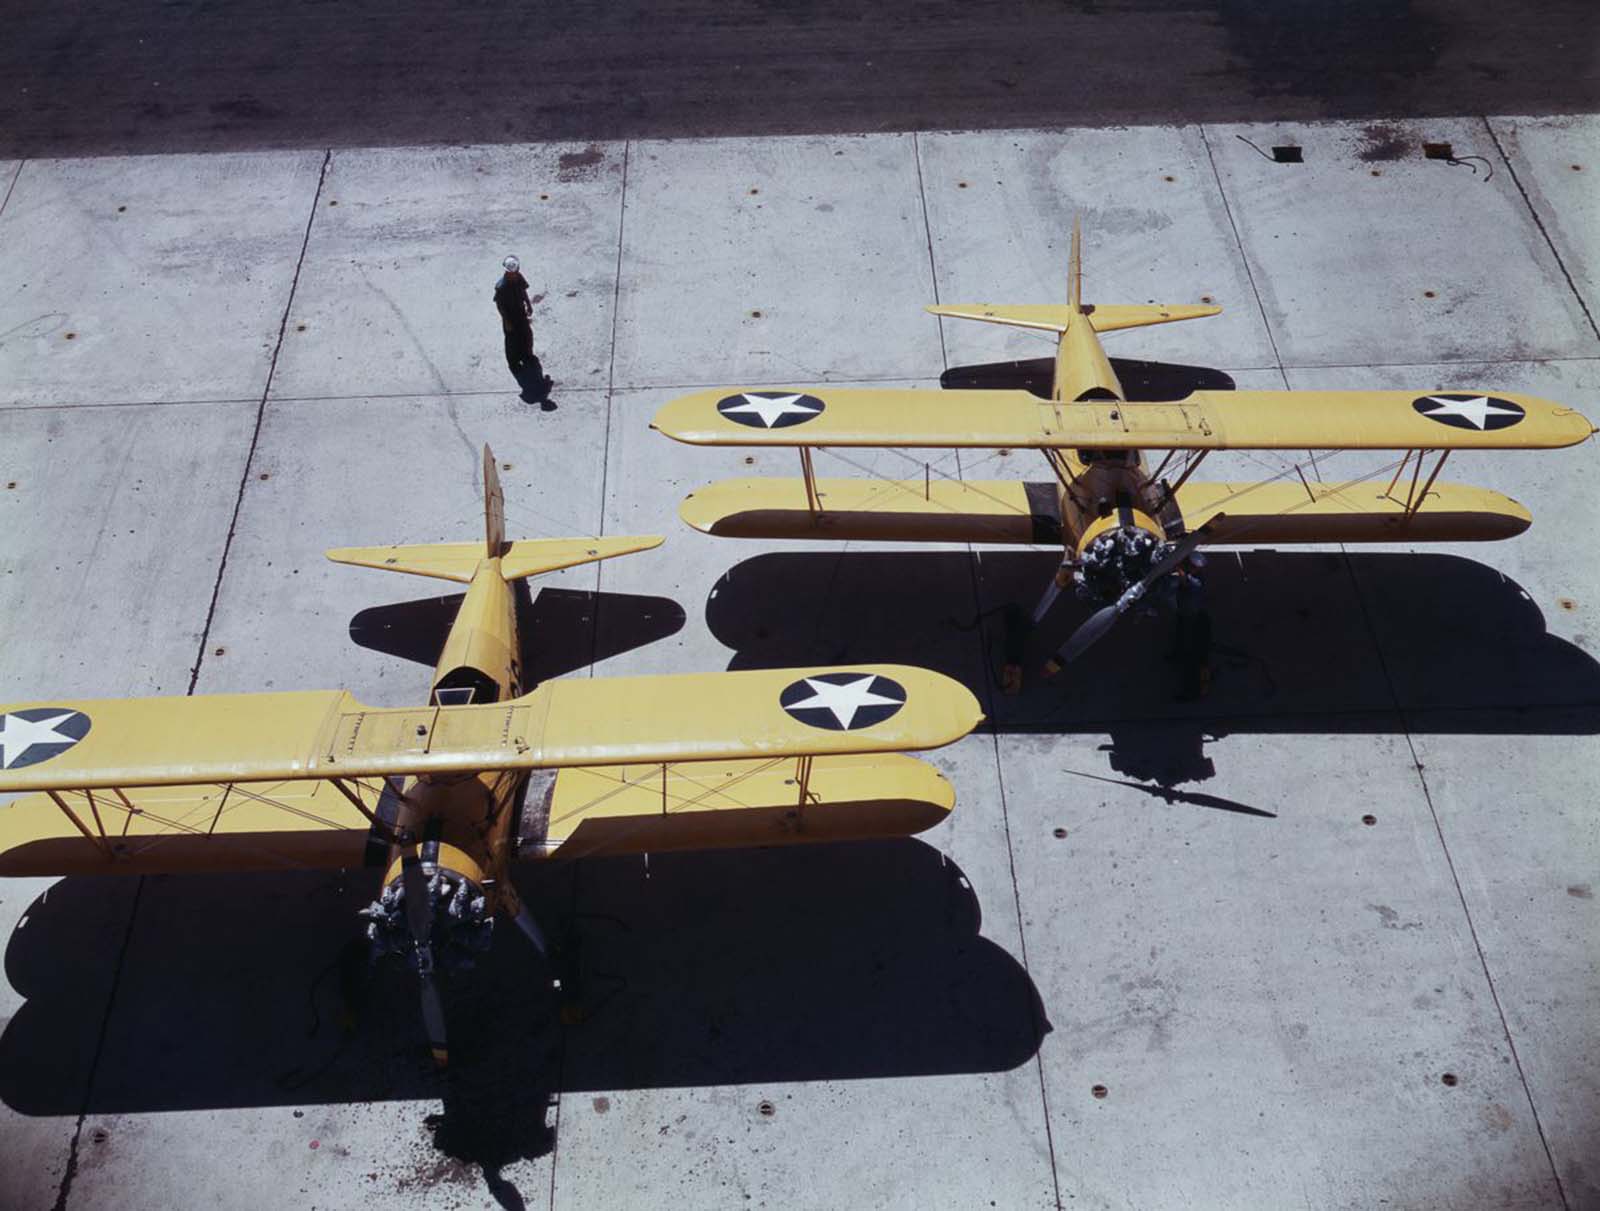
(516, 317)
(1193, 639)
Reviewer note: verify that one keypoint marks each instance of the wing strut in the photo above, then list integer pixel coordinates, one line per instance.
(1414, 499)
(100, 840)
(1194, 465)
(813, 499)
(382, 827)
(1437, 467)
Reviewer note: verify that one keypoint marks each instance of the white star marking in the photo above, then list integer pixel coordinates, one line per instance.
(1478, 409)
(18, 735)
(843, 700)
(769, 410)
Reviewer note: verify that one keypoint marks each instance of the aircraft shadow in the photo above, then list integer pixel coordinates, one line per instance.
(1150, 381)
(831, 962)
(1304, 641)
(561, 629)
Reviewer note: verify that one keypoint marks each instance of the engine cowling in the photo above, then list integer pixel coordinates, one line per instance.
(1116, 552)
(463, 918)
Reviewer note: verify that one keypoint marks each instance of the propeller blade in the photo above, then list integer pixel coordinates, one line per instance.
(1094, 627)
(1177, 555)
(433, 1019)
(1089, 632)
(419, 919)
(1051, 592)
(530, 927)
(419, 912)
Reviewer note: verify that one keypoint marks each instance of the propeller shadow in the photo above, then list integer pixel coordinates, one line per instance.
(838, 961)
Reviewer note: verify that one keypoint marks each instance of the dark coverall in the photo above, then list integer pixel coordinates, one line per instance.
(1193, 638)
(516, 312)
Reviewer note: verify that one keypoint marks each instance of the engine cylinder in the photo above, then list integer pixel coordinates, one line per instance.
(1114, 554)
(462, 917)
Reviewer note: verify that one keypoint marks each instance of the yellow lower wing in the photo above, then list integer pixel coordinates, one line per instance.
(626, 809)
(1289, 513)
(167, 829)
(998, 511)
(935, 510)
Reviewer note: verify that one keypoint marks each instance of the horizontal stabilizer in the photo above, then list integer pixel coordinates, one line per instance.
(1459, 419)
(532, 557)
(1053, 317)
(1284, 512)
(877, 510)
(629, 809)
(458, 561)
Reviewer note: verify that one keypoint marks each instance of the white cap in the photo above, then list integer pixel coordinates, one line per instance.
(511, 264)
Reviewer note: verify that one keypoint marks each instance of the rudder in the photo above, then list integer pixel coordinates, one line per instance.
(494, 507)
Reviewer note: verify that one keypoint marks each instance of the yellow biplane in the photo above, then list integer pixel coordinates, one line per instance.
(433, 796)
(1121, 525)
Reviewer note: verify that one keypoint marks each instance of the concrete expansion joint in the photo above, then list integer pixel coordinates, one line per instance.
(12, 185)
(255, 435)
(1538, 220)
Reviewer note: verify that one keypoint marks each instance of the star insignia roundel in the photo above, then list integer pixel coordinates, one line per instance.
(770, 409)
(1462, 410)
(38, 734)
(843, 702)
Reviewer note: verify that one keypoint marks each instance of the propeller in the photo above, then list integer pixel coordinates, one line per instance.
(1051, 591)
(530, 927)
(1094, 627)
(419, 918)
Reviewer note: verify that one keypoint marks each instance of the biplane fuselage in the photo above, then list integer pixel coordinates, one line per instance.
(472, 818)
(1091, 483)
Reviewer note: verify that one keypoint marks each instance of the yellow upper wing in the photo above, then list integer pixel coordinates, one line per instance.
(1205, 420)
(328, 734)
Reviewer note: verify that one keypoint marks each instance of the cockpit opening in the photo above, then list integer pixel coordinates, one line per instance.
(465, 687)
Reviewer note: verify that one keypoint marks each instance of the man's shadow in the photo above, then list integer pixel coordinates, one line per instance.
(535, 387)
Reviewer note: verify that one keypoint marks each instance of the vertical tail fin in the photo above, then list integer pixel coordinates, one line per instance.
(1075, 267)
(1048, 317)
(494, 507)
(461, 561)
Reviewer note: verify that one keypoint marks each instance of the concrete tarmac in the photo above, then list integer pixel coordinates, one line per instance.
(1328, 937)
